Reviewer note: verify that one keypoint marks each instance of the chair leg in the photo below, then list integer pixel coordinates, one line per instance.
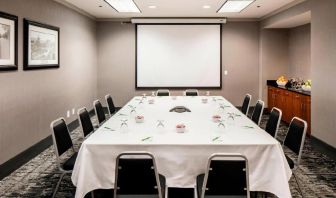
(58, 184)
(297, 182)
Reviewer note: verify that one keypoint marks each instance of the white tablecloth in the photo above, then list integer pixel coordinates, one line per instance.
(180, 157)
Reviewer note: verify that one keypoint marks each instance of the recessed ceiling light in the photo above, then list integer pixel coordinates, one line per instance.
(152, 6)
(206, 7)
(235, 5)
(123, 5)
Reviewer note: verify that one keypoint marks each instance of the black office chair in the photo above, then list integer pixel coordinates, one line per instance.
(99, 111)
(85, 122)
(227, 175)
(258, 112)
(273, 122)
(138, 176)
(162, 92)
(62, 143)
(294, 140)
(191, 92)
(246, 104)
(111, 108)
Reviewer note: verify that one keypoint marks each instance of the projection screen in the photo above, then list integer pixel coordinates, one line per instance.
(178, 56)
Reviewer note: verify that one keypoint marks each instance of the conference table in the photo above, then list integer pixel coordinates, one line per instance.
(180, 157)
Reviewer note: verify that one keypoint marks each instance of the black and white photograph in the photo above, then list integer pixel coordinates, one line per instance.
(8, 41)
(41, 45)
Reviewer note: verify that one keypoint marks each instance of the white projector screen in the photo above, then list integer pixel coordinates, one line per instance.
(178, 56)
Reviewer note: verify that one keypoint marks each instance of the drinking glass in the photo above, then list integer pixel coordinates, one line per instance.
(133, 111)
(160, 123)
(221, 123)
(123, 125)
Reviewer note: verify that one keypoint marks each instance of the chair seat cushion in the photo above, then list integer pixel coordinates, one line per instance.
(199, 184)
(70, 163)
(290, 162)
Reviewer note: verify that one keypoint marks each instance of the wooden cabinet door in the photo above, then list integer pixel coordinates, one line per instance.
(287, 106)
(283, 101)
(298, 110)
(271, 98)
(278, 99)
(291, 104)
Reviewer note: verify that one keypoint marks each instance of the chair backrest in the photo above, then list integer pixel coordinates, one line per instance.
(273, 122)
(61, 137)
(85, 121)
(191, 92)
(136, 175)
(246, 104)
(110, 104)
(226, 175)
(296, 136)
(162, 92)
(257, 112)
(99, 111)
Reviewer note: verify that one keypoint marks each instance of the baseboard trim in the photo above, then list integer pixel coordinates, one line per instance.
(323, 147)
(22, 158)
(16, 162)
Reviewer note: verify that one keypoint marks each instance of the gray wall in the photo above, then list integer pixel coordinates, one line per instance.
(323, 61)
(274, 56)
(284, 52)
(116, 58)
(299, 52)
(30, 100)
(323, 70)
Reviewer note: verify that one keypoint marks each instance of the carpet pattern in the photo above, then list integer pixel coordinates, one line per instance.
(38, 177)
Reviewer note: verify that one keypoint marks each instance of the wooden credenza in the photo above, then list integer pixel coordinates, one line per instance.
(291, 103)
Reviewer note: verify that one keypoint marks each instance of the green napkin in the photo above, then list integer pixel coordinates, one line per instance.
(216, 139)
(146, 138)
(105, 127)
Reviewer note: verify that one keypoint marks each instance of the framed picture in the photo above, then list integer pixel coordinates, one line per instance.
(41, 46)
(8, 41)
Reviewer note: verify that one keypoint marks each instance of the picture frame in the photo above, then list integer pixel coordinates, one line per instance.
(8, 42)
(41, 46)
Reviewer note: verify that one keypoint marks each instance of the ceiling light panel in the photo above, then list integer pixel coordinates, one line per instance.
(123, 5)
(235, 5)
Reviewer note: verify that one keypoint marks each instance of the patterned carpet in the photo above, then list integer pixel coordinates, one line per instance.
(38, 177)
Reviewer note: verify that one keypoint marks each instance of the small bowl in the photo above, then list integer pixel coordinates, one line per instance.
(204, 100)
(306, 88)
(281, 83)
(216, 118)
(180, 128)
(151, 101)
(139, 119)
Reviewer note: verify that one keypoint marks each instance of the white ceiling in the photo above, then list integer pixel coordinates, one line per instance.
(178, 8)
(297, 20)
